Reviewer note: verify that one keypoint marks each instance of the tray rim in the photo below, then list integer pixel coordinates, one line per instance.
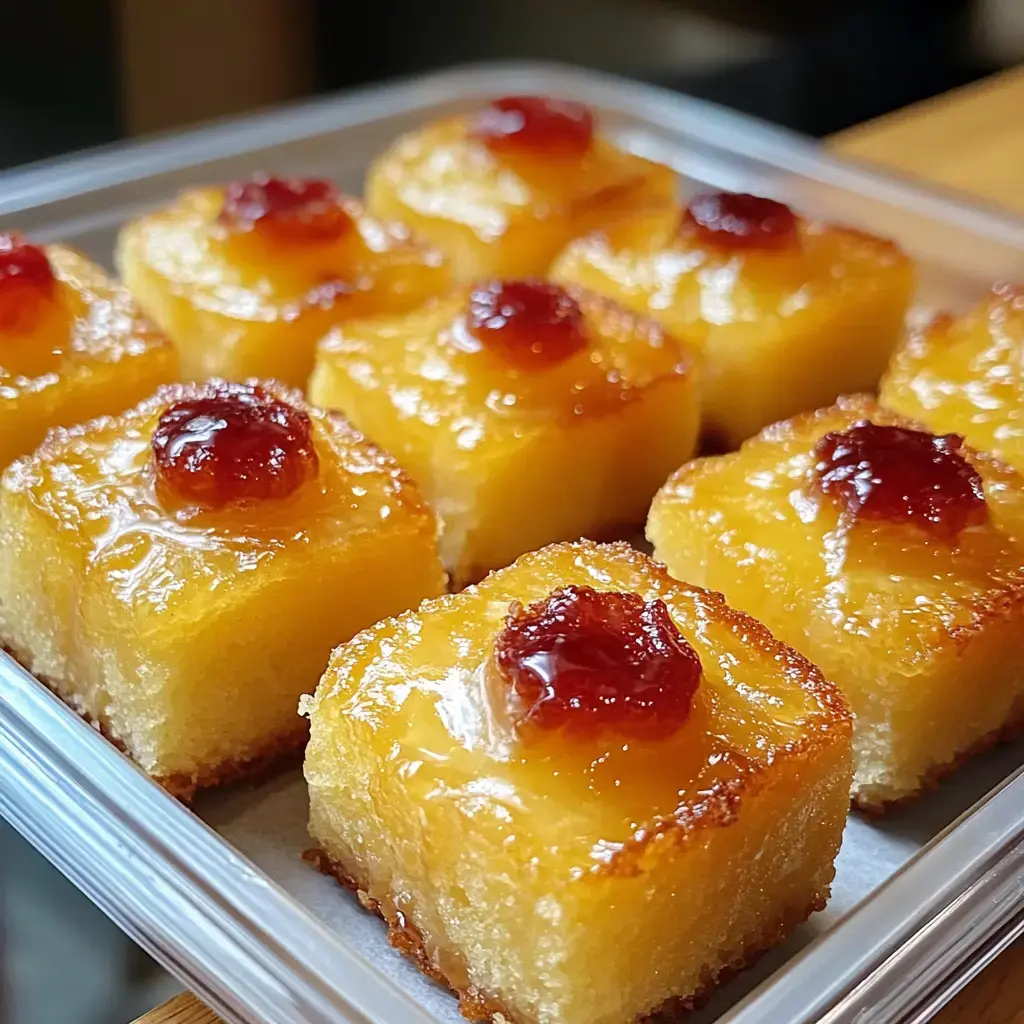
(63, 177)
(161, 837)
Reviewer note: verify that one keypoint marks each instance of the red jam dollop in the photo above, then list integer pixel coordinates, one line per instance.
(234, 443)
(537, 125)
(290, 209)
(594, 662)
(26, 282)
(733, 220)
(531, 324)
(902, 476)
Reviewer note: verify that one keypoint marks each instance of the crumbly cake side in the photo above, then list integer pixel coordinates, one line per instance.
(1008, 733)
(481, 1008)
(278, 752)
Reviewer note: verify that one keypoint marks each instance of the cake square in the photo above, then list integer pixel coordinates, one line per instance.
(72, 344)
(966, 374)
(246, 278)
(180, 573)
(578, 764)
(503, 189)
(888, 557)
(526, 413)
(786, 313)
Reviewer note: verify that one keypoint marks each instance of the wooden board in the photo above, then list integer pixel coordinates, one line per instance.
(970, 140)
(183, 1009)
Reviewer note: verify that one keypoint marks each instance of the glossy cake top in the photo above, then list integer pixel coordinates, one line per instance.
(725, 259)
(489, 698)
(60, 314)
(517, 158)
(202, 482)
(492, 358)
(967, 374)
(266, 249)
(902, 538)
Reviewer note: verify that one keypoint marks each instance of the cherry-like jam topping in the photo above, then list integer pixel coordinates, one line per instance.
(595, 662)
(733, 220)
(538, 125)
(291, 209)
(903, 476)
(235, 443)
(26, 280)
(531, 324)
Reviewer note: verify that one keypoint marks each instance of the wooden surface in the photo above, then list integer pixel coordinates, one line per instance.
(971, 140)
(183, 1009)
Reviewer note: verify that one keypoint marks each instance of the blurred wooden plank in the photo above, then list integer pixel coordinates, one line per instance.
(183, 1009)
(192, 60)
(996, 996)
(971, 139)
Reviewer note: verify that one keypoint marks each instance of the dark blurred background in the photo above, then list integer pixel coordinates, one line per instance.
(79, 73)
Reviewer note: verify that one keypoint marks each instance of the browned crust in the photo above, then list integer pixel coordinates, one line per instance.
(631, 532)
(276, 753)
(475, 1005)
(279, 752)
(1006, 733)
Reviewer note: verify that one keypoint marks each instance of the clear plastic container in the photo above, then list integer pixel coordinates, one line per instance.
(922, 901)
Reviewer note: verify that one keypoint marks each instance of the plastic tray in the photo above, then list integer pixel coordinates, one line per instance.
(922, 901)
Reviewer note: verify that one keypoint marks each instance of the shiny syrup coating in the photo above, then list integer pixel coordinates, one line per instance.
(289, 209)
(530, 324)
(733, 220)
(901, 476)
(538, 125)
(26, 279)
(235, 443)
(596, 662)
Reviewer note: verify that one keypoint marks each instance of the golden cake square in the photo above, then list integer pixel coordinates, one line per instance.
(525, 412)
(73, 345)
(180, 573)
(245, 279)
(579, 792)
(885, 554)
(503, 189)
(786, 313)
